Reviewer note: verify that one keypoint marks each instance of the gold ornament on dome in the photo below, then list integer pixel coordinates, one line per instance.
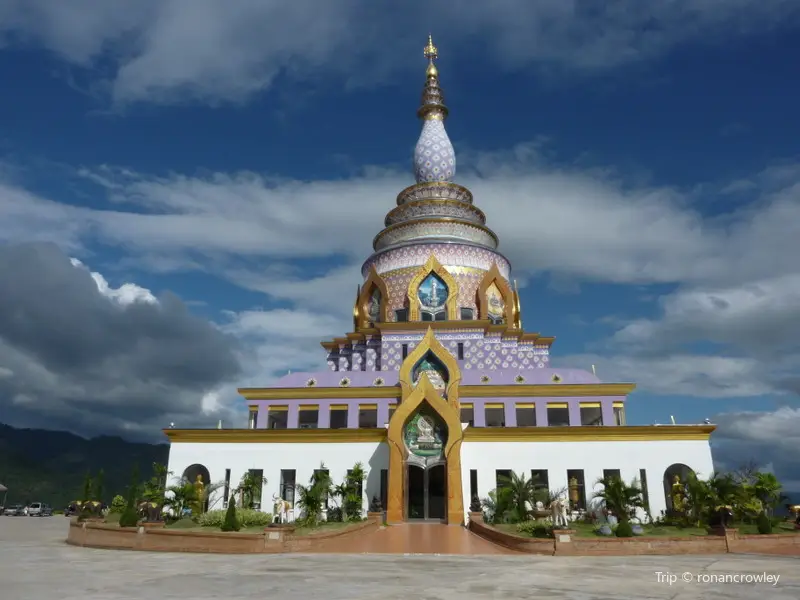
(345, 382)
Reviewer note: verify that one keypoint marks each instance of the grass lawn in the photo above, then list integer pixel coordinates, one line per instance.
(331, 526)
(586, 530)
(189, 525)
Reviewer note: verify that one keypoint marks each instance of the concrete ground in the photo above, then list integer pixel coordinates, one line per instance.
(36, 563)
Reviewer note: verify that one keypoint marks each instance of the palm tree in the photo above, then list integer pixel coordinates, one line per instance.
(250, 486)
(311, 497)
(619, 497)
(514, 494)
(767, 488)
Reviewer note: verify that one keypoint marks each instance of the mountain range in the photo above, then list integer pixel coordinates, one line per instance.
(38, 465)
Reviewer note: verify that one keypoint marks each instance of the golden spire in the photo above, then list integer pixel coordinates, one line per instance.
(431, 53)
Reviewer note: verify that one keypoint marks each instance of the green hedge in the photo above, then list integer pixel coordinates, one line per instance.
(246, 517)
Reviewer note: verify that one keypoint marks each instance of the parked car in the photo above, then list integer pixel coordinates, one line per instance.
(34, 509)
(15, 510)
(47, 511)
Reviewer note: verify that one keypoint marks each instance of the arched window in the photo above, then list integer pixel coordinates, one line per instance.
(432, 294)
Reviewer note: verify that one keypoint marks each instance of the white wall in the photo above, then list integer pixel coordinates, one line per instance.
(592, 457)
(271, 458)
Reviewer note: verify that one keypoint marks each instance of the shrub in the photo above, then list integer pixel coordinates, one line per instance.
(763, 523)
(117, 505)
(184, 523)
(246, 517)
(537, 529)
(230, 523)
(335, 514)
(129, 518)
(624, 529)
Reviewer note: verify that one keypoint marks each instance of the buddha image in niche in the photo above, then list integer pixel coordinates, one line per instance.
(427, 367)
(374, 305)
(495, 304)
(432, 293)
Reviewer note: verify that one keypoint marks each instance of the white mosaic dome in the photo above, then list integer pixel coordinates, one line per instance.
(434, 156)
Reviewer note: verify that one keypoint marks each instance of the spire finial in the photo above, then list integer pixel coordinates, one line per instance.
(431, 52)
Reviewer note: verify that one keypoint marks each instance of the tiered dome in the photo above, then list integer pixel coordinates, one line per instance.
(435, 216)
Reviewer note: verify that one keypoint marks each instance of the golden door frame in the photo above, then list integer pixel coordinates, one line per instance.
(429, 343)
(424, 393)
(493, 276)
(374, 280)
(432, 265)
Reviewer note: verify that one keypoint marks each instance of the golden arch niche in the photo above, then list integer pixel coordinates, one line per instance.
(432, 294)
(424, 440)
(495, 299)
(372, 302)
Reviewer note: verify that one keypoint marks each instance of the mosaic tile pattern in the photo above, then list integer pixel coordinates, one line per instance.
(434, 155)
(435, 189)
(434, 229)
(457, 255)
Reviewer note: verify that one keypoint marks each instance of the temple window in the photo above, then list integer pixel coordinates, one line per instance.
(502, 478)
(392, 408)
(359, 487)
(576, 488)
(308, 417)
(612, 474)
(591, 414)
(526, 415)
(495, 304)
(467, 314)
(227, 489)
(460, 350)
(557, 414)
(643, 484)
(253, 418)
(288, 477)
(405, 351)
(277, 417)
(467, 414)
(432, 295)
(318, 473)
(433, 368)
(619, 413)
(374, 306)
(473, 483)
(401, 315)
(338, 416)
(540, 479)
(256, 475)
(384, 488)
(495, 415)
(368, 416)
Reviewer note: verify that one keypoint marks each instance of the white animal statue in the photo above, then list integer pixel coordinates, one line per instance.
(281, 508)
(558, 509)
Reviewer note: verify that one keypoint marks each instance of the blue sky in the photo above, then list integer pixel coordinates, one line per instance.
(640, 166)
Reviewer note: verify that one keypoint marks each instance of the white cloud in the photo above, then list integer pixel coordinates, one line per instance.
(225, 50)
(127, 293)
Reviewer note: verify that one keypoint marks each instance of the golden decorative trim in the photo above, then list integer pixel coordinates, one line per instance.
(443, 201)
(274, 436)
(507, 333)
(619, 405)
(493, 276)
(466, 405)
(458, 221)
(517, 390)
(525, 405)
(278, 408)
(589, 404)
(494, 405)
(367, 407)
(361, 310)
(252, 408)
(430, 344)
(309, 407)
(459, 188)
(623, 433)
(432, 265)
(425, 392)
(339, 407)
(557, 405)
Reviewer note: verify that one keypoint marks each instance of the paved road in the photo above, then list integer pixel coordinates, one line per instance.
(36, 564)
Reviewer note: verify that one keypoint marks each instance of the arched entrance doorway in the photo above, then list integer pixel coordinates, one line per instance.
(191, 474)
(424, 438)
(675, 478)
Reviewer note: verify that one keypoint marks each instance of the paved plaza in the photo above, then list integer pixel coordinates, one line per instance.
(35, 563)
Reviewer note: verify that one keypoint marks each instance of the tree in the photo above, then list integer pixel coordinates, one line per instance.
(129, 516)
(352, 500)
(250, 486)
(620, 498)
(767, 488)
(87, 487)
(231, 523)
(310, 498)
(513, 496)
(98, 486)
